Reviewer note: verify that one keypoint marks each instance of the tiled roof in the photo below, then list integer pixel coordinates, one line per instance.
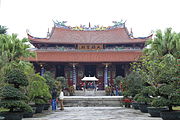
(110, 56)
(68, 36)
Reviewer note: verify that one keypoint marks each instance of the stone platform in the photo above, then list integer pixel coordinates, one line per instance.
(91, 101)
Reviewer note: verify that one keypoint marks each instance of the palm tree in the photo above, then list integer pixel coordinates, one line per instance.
(163, 44)
(13, 48)
(3, 29)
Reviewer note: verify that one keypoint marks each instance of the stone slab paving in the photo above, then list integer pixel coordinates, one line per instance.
(94, 113)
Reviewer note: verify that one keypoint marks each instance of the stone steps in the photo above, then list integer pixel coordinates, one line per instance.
(91, 101)
(90, 93)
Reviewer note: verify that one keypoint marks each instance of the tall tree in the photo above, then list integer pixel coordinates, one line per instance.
(3, 29)
(13, 48)
(163, 44)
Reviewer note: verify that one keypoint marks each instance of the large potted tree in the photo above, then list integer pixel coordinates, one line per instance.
(12, 97)
(132, 85)
(144, 99)
(166, 47)
(51, 82)
(39, 92)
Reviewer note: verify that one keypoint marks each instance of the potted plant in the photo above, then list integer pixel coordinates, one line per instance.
(165, 48)
(39, 92)
(127, 101)
(135, 104)
(144, 98)
(169, 87)
(132, 85)
(156, 107)
(108, 90)
(51, 82)
(170, 97)
(12, 98)
(156, 104)
(71, 90)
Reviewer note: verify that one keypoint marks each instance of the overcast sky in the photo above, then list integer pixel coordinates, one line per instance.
(142, 16)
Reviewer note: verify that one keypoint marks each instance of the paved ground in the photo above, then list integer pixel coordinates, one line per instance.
(94, 113)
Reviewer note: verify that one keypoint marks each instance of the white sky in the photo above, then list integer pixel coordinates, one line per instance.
(142, 16)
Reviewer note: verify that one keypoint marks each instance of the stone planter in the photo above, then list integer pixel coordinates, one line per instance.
(135, 105)
(170, 115)
(143, 107)
(46, 106)
(39, 108)
(12, 115)
(28, 115)
(155, 112)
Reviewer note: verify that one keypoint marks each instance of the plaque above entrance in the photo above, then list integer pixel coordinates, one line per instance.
(89, 47)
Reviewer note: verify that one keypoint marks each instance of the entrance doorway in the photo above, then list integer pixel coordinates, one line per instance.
(59, 70)
(90, 70)
(120, 70)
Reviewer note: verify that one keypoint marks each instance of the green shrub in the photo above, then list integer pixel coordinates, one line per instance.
(12, 97)
(50, 81)
(160, 102)
(39, 90)
(16, 77)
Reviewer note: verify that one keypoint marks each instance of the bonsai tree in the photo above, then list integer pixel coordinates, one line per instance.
(11, 95)
(50, 81)
(160, 67)
(39, 90)
(145, 95)
(169, 86)
(132, 84)
(63, 83)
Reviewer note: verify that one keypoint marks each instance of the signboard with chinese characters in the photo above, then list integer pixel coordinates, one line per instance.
(89, 47)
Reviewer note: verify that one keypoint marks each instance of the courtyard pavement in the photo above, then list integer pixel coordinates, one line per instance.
(94, 113)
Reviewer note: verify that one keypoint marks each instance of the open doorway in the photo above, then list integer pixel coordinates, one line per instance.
(90, 70)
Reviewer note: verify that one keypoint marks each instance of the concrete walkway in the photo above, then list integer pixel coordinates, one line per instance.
(94, 113)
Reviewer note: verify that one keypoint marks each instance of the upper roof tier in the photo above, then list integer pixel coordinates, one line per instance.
(108, 35)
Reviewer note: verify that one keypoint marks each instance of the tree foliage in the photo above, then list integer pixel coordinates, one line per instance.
(16, 77)
(48, 76)
(160, 68)
(132, 84)
(13, 48)
(3, 29)
(39, 90)
(11, 95)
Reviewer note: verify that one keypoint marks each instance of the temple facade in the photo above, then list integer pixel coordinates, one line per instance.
(78, 52)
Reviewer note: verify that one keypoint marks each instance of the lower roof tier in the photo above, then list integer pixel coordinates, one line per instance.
(60, 56)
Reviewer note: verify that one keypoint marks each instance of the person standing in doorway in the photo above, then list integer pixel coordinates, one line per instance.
(54, 96)
(61, 98)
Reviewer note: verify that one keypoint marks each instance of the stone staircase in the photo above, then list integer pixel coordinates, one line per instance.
(91, 101)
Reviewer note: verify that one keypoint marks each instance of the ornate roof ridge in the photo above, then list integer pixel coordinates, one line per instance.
(117, 24)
